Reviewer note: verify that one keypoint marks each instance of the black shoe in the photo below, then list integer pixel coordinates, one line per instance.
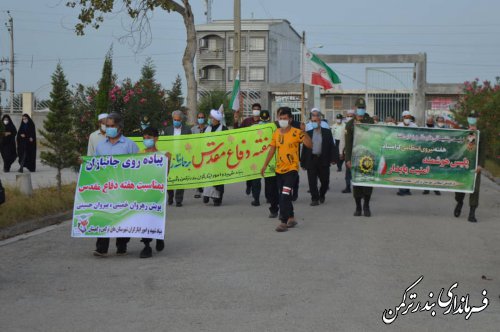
(217, 202)
(147, 252)
(197, 196)
(206, 199)
(458, 209)
(357, 213)
(273, 215)
(122, 251)
(322, 200)
(408, 193)
(426, 192)
(160, 245)
(314, 203)
(346, 191)
(401, 193)
(255, 203)
(472, 215)
(366, 211)
(170, 201)
(178, 204)
(100, 253)
(437, 192)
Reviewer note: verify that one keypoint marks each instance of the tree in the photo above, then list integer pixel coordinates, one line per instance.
(105, 84)
(213, 100)
(92, 13)
(57, 127)
(84, 117)
(174, 96)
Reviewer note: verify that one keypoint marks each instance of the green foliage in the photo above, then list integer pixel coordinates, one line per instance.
(484, 98)
(84, 116)
(213, 100)
(105, 84)
(57, 130)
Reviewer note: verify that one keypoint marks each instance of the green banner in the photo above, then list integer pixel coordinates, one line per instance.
(121, 196)
(420, 158)
(210, 159)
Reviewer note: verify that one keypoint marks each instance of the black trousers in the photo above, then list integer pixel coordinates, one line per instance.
(348, 177)
(474, 197)
(286, 182)
(102, 243)
(179, 195)
(317, 171)
(341, 161)
(272, 193)
(256, 189)
(362, 192)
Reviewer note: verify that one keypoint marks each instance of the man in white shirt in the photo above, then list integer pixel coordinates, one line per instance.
(338, 132)
(407, 122)
(97, 136)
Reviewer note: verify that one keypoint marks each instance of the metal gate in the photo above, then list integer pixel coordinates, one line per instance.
(389, 91)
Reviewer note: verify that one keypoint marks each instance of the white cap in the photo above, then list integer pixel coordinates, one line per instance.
(406, 113)
(315, 109)
(102, 116)
(216, 115)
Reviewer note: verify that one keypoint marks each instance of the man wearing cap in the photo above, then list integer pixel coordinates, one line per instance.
(176, 129)
(407, 122)
(338, 132)
(317, 159)
(481, 159)
(97, 136)
(359, 192)
(214, 192)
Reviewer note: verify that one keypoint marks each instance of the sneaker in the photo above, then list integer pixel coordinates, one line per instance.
(160, 245)
(178, 204)
(314, 203)
(273, 215)
(281, 227)
(121, 251)
(147, 252)
(255, 203)
(291, 223)
(99, 253)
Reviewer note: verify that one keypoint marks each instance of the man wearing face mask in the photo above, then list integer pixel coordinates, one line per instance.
(317, 160)
(176, 129)
(348, 176)
(360, 193)
(429, 123)
(114, 144)
(481, 158)
(214, 192)
(250, 121)
(97, 136)
(286, 142)
(407, 122)
(338, 132)
(440, 123)
(200, 126)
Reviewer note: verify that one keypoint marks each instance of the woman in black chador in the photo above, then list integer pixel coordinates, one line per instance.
(26, 144)
(8, 143)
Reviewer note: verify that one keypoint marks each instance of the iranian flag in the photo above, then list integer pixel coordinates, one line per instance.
(235, 97)
(316, 72)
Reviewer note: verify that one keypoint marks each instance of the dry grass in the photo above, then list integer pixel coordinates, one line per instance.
(44, 202)
(493, 168)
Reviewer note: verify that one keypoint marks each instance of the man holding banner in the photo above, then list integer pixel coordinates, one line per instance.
(359, 192)
(114, 144)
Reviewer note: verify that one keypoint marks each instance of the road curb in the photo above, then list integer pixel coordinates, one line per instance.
(34, 224)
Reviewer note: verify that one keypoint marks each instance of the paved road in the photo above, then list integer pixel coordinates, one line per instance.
(225, 269)
(44, 176)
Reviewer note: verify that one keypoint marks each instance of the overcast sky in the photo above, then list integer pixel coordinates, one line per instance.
(460, 37)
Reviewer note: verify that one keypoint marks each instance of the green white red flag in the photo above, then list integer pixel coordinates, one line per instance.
(317, 72)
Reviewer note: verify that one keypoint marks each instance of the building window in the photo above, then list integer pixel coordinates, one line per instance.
(257, 74)
(257, 44)
(243, 74)
(212, 73)
(231, 43)
(337, 102)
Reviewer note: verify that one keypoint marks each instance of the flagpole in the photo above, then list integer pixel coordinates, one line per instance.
(302, 97)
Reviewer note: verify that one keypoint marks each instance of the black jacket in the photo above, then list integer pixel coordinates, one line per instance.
(329, 152)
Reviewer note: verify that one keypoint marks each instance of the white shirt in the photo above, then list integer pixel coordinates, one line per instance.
(411, 125)
(338, 130)
(95, 138)
(177, 131)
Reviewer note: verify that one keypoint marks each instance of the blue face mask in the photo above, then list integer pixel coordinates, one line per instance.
(144, 126)
(472, 121)
(149, 143)
(314, 125)
(177, 124)
(201, 121)
(360, 112)
(111, 132)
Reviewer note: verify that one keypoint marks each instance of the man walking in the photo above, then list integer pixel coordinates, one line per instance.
(338, 132)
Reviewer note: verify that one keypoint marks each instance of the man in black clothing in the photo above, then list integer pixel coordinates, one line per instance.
(317, 160)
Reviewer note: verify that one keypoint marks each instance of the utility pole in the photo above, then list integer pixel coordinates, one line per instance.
(10, 28)
(303, 93)
(237, 40)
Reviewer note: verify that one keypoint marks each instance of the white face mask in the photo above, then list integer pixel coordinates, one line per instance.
(103, 127)
(283, 123)
(406, 121)
(339, 120)
(255, 112)
(5, 122)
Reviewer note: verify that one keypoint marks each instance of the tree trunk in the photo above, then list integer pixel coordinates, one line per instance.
(59, 182)
(188, 63)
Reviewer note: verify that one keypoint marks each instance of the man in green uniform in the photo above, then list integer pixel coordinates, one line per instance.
(359, 192)
(481, 158)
